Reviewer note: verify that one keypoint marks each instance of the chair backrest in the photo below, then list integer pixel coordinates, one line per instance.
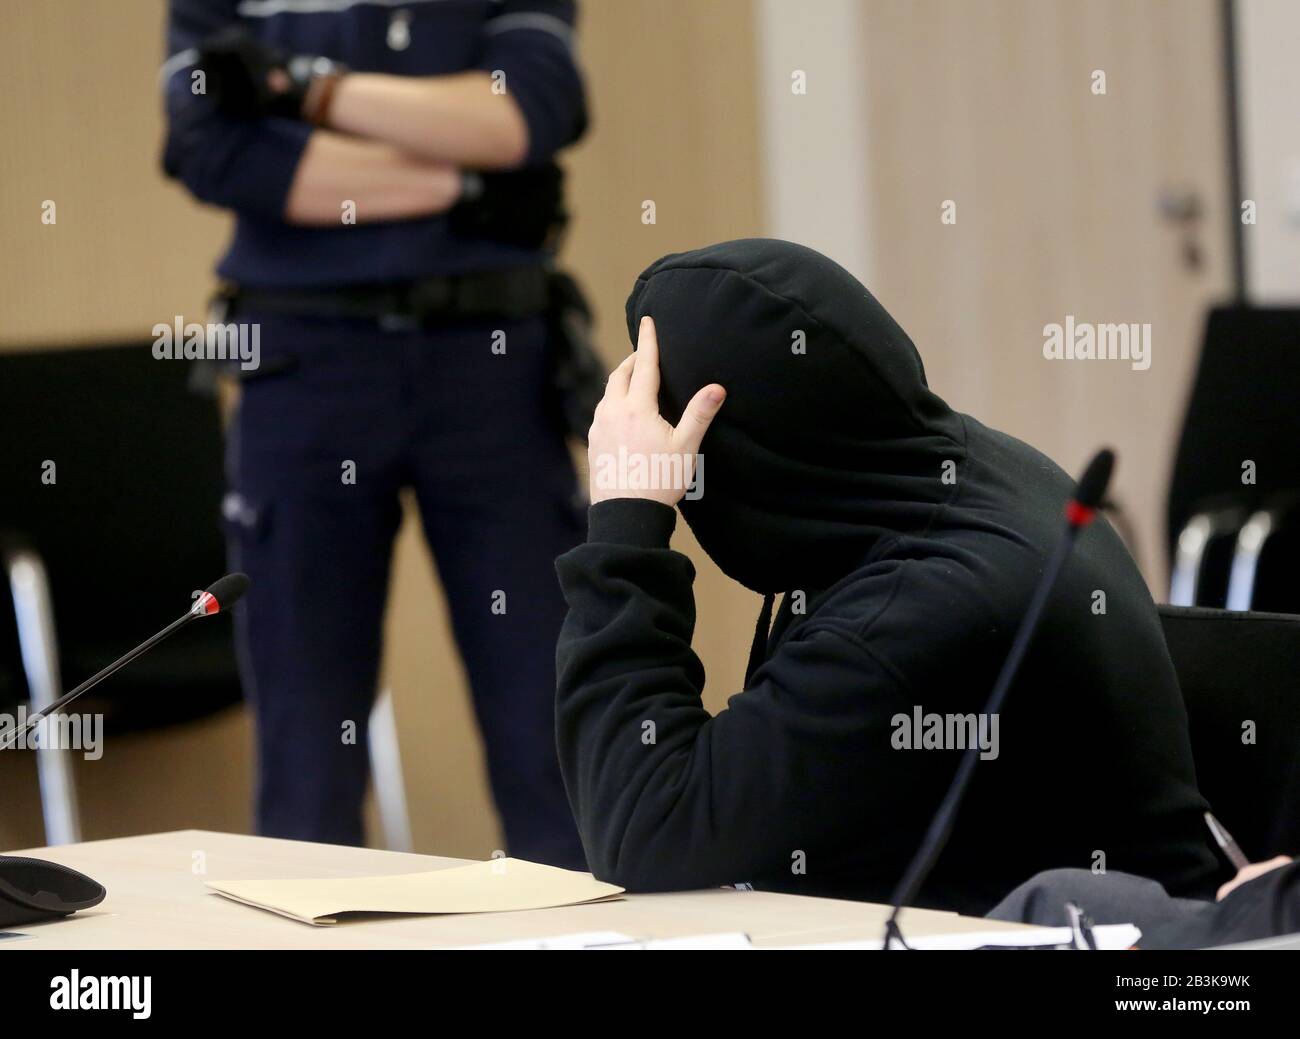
(112, 469)
(1242, 409)
(1238, 672)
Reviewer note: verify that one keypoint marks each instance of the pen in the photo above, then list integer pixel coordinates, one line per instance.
(1225, 842)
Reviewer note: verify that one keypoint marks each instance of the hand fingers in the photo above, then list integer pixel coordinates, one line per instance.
(696, 418)
(617, 383)
(1247, 873)
(645, 375)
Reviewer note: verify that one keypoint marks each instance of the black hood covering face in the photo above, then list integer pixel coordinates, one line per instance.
(825, 473)
(829, 441)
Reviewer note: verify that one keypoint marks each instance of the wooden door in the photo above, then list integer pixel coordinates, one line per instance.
(997, 108)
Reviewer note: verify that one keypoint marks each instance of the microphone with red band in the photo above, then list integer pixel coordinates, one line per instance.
(1080, 510)
(217, 598)
(1091, 489)
(220, 595)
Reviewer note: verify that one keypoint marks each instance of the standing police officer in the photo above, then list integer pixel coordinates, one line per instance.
(388, 162)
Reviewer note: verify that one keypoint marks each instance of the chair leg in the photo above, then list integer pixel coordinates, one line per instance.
(39, 645)
(386, 774)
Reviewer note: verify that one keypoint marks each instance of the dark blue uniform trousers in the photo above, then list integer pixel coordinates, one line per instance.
(337, 420)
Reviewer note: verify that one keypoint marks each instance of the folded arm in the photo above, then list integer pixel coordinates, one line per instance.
(521, 104)
(281, 168)
(396, 143)
(383, 183)
(453, 118)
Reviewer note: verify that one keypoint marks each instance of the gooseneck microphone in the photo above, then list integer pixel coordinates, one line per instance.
(1080, 510)
(32, 890)
(220, 595)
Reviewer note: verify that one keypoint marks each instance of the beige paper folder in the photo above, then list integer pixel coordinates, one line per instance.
(495, 886)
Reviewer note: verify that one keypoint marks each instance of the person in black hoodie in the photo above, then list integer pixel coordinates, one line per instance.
(905, 539)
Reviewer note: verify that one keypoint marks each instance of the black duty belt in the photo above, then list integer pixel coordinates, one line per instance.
(403, 305)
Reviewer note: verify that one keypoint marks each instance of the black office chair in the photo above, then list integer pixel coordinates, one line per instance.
(1235, 544)
(108, 553)
(1235, 669)
(109, 518)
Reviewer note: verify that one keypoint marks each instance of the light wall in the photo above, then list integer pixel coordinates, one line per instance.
(80, 111)
(1268, 34)
(987, 114)
(815, 130)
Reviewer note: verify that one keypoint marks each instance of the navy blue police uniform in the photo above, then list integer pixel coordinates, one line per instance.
(346, 411)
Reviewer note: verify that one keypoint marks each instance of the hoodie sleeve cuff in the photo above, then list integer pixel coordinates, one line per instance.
(638, 522)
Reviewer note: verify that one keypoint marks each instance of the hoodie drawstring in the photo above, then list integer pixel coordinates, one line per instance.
(762, 631)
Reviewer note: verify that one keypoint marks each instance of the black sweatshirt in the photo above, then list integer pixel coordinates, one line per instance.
(907, 539)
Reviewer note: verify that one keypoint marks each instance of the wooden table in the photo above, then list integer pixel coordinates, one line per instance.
(157, 900)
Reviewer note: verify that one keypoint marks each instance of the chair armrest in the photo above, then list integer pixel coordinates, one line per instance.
(34, 610)
(1245, 557)
(1189, 556)
(39, 644)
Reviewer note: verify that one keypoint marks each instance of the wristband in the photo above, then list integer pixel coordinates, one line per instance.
(319, 96)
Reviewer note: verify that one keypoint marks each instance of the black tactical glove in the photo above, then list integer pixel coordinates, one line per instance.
(522, 207)
(248, 78)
